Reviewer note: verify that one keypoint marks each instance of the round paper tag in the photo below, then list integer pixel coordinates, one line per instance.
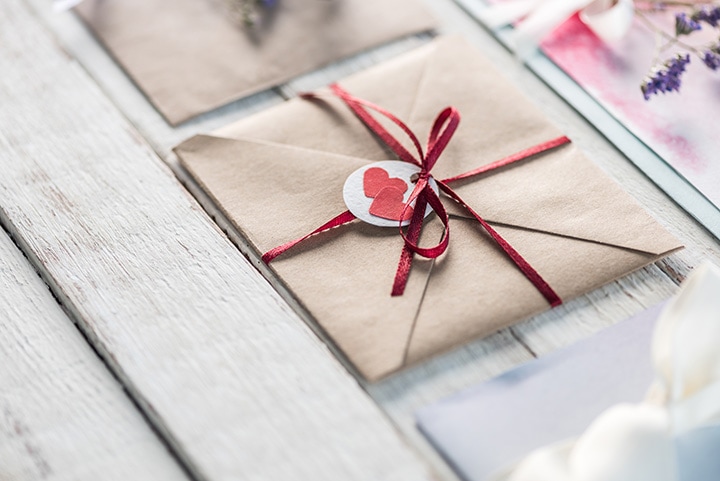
(377, 193)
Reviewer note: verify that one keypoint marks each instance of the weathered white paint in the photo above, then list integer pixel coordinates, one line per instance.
(62, 414)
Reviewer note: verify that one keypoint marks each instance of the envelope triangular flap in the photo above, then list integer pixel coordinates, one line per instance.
(563, 193)
(276, 193)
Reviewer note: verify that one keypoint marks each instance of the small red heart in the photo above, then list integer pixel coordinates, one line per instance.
(388, 204)
(375, 179)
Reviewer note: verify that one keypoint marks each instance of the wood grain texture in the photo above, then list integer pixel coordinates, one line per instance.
(231, 377)
(62, 414)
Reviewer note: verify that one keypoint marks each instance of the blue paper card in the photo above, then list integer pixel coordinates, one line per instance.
(488, 428)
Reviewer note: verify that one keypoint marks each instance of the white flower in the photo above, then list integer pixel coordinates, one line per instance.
(609, 19)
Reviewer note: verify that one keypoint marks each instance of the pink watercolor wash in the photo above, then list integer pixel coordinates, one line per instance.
(683, 129)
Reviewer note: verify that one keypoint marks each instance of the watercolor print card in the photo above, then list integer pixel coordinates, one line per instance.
(672, 137)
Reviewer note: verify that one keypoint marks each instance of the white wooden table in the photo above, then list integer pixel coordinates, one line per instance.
(137, 342)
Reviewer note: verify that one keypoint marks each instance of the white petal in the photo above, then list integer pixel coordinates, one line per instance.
(685, 346)
(609, 20)
(626, 443)
(546, 464)
(542, 21)
(61, 5)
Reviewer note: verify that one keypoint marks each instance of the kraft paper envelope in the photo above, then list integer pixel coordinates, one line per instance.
(191, 56)
(279, 175)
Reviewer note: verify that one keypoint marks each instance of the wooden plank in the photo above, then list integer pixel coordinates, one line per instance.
(62, 414)
(232, 378)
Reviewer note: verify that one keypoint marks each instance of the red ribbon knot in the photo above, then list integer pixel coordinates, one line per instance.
(423, 194)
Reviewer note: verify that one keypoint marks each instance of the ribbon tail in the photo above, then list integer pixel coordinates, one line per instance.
(341, 219)
(406, 256)
(530, 273)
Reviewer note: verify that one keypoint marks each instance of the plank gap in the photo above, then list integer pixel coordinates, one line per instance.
(74, 316)
(522, 342)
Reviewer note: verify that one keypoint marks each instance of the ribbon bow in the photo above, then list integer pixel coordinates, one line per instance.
(675, 434)
(423, 195)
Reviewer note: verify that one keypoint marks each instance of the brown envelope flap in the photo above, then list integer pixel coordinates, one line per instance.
(277, 192)
(475, 290)
(327, 124)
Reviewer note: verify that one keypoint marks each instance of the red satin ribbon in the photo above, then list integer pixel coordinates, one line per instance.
(440, 135)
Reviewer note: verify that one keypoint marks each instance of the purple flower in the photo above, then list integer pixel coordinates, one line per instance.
(685, 25)
(711, 16)
(268, 3)
(712, 60)
(666, 78)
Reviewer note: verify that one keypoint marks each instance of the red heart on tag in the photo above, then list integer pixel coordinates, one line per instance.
(376, 179)
(389, 204)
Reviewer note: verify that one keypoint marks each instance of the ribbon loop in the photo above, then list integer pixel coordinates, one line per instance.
(358, 107)
(442, 132)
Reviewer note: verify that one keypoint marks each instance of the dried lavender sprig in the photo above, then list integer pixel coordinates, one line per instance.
(711, 16)
(685, 25)
(666, 78)
(712, 60)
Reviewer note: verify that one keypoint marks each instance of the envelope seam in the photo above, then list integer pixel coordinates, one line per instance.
(418, 88)
(269, 144)
(557, 234)
(406, 351)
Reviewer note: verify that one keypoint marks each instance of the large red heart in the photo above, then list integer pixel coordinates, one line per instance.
(375, 179)
(389, 204)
